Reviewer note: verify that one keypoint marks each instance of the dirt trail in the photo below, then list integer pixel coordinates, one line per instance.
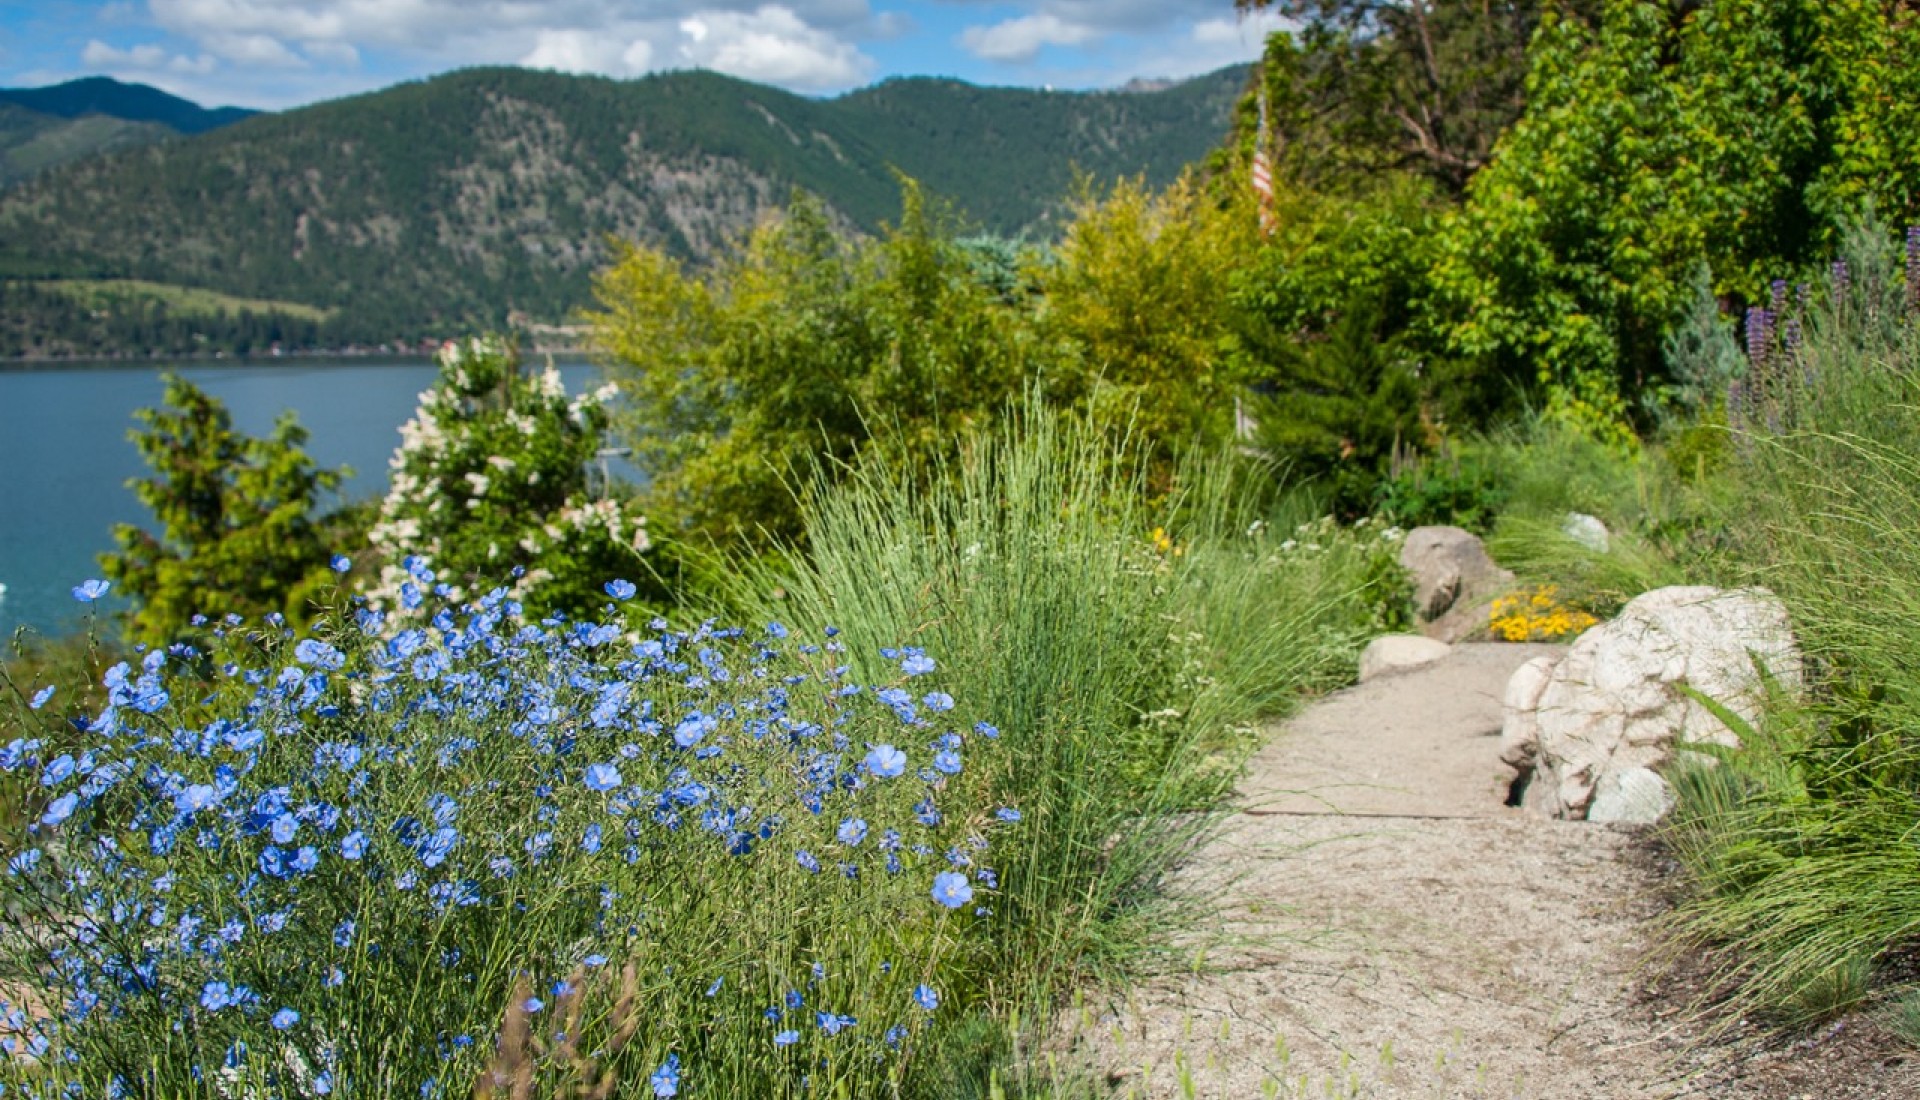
(1394, 930)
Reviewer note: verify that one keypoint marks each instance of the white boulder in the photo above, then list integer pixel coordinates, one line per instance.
(1587, 742)
(1588, 531)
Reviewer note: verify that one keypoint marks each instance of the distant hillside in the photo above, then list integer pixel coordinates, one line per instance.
(101, 95)
(460, 201)
(42, 128)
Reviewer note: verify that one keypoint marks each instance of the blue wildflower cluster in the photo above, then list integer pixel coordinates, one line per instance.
(318, 865)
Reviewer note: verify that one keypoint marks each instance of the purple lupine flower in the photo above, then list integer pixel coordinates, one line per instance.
(1759, 336)
(1913, 266)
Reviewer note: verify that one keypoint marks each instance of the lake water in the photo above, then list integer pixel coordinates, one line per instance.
(65, 457)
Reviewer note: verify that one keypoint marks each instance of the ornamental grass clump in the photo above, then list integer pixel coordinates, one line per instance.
(1127, 677)
(702, 863)
(1801, 844)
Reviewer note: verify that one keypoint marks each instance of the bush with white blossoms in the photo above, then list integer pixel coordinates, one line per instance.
(490, 480)
(704, 864)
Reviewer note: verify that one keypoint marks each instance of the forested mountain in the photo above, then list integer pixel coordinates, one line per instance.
(42, 128)
(489, 194)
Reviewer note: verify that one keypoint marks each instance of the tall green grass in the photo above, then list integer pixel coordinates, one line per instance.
(1802, 845)
(1123, 646)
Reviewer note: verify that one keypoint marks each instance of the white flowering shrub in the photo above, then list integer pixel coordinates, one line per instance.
(490, 479)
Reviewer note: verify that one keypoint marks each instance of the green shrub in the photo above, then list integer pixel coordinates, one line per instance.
(490, 481)
(237, 529)
(799, 346)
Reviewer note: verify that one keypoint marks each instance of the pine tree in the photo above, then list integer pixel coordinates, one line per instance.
(235, 515)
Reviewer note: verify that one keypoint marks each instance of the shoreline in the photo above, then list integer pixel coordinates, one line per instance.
(67, 362)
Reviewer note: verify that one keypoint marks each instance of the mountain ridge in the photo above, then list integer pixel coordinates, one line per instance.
(489, 193)
(103, 95)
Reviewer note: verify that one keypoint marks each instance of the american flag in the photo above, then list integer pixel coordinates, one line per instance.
(1263, 170)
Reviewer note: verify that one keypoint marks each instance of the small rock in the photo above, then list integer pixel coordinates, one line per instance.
(1588, 531)
(1398, 653)
(1636, 796)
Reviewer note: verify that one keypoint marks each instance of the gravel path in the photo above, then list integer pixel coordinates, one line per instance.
(1392, 929)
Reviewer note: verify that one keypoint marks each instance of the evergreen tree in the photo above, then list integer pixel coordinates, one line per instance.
(235, 513)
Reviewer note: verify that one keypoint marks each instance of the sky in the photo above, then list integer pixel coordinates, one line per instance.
(273, 54)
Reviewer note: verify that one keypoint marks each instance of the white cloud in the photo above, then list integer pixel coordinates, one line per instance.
(99, 55)
(804, 44)
(254, 50)
(771, 45)
(1238, 36)
(144, 62)
(573, 51)
(341, 54)
(1020, 39)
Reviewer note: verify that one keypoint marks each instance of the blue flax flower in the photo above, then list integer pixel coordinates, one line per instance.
(886, 762)
(852, 831)
(60, 809)
(951, 889)
(666, 1079)
(602, 777)
(786, 1038)
(90, 590)
(284, 1019)
(317, 654)
(833, 1023)
(40, 697)
(926, 997)
(621, 589)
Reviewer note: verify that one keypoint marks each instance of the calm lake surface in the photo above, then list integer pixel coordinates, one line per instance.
(65, 457)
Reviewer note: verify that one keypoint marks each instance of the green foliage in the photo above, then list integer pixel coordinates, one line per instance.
(1329, 340)
(235, 516)
(1121, 724)
(31, 142)
(1700, 354)
(72, 667)
(1903, 1018)
(1367, 88)
(105, 97)
(1660, 137)
(491, 477)
(799, 347)
(1137, 296)
(1450, 489)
